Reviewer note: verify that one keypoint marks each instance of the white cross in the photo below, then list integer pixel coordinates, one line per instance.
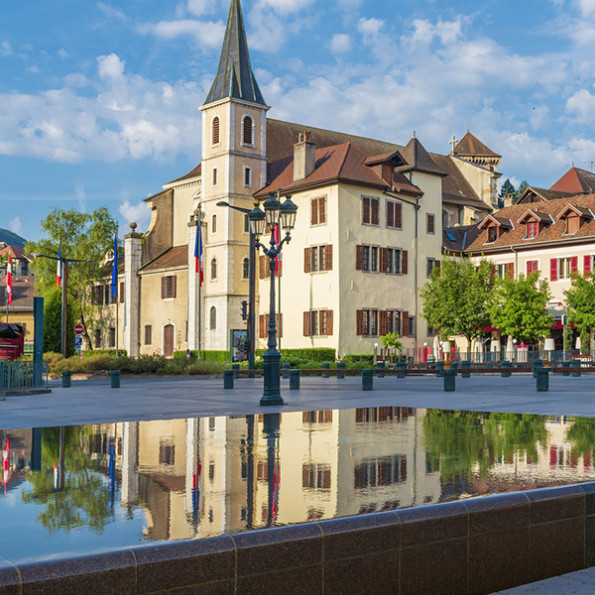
(453, 142)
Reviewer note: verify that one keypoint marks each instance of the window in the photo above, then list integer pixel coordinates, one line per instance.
(492, 233)
(247, 131)
(215, 131)
(411, 323)
(393, 260)
(213, 269)
(316, 476)
(148, 334)
(431, 264)
(213, 318)
(263, 325)
(214, 176)
(367, 322)
(393, 214)
(318, 211)
(214, 224)
(97, 338)
(246, 268)
(505, 270)
(384, 260)
(532, 229)
(573, 223)
(167, 452)
(318, 322)
(318, 258)
(562, 268)
(246, 223)
(247, 176)
(112, 337)
(430, 223)
(121, 292)
(370, 210)
(532, 266)
(168, 287)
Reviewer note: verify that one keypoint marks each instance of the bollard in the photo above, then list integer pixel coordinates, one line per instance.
(340, 366)
(538, 363)
(466, 369)
(575, 366)
(449, 380)
(236, 370)
(439, 369)
(228, 378)
(294, 379)
(401, 367)
(506, 367)
(285, 369)
(367, 379)
(380, 367)
(325, 366)
(543, 379)
(66, 379)
(566, 366)
(115, 378)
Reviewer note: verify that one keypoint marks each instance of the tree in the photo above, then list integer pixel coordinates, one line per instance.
(580, 299)
(522, 187)
(52, 324)
(456, 298)
(506, 189)
(392, 340)
(519, 308)
(87, 237)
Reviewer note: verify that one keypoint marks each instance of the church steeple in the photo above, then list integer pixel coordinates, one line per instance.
(234, 75)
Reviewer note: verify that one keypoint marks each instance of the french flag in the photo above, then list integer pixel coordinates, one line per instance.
(198, 252)
(9, 283)
(59, 269)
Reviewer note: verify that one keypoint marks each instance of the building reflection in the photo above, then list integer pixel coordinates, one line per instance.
(194, 478)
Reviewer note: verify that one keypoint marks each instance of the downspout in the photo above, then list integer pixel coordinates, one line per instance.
(516, 262)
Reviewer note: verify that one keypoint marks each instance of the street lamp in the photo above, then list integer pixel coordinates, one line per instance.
(252, 284)
(275, 214)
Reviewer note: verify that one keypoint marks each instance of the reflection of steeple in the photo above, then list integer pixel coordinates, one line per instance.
(234, 75)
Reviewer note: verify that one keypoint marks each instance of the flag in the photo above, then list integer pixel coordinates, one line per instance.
(59, 269)
(9, 282)
(198, 252)
(115, 267)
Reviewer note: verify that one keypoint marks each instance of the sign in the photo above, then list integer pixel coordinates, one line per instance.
(79, 329)
(78, 340)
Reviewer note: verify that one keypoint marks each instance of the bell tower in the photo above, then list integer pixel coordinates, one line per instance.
(233, 168)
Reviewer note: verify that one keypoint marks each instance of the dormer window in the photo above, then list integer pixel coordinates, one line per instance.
(534, 223)
(495, 227)
(532, 229)
(492, 233)
(575, 217)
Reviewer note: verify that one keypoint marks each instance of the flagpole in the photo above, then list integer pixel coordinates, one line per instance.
(117, 290)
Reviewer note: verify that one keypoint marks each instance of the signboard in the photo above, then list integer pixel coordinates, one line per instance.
(239, 345)
(78, 340)
(79, 329)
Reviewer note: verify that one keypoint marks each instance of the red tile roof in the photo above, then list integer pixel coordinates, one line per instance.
(174, 257)
(575, 180)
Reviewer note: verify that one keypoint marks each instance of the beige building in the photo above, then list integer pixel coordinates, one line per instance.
(368, 231)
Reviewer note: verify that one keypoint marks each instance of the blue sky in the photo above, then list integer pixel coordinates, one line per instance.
(98, 100)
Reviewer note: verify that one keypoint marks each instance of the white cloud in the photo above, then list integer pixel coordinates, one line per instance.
(15, 225)
(370, 27)
(284, 6)
(586, 7)
(111, 12)
(204, 34)
(110, 66)
(5, 49)
(136, 212)
(200, 7)
(340, 43)
(582, 105)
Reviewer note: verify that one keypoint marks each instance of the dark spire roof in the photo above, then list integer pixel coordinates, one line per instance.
(419, 159)
(471, 145)
(234, 75)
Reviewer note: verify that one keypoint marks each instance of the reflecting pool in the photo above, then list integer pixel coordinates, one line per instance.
(83, 489)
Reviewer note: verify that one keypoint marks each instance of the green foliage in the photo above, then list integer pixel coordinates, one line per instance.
(391, 340)
(522, 187)
(87, 237)
(580, 299)
(519, 308)
(52, 323)
(311, 354)
(355, 359)
(456, 298)
(206, 356)
(110, 352)
(581, 434)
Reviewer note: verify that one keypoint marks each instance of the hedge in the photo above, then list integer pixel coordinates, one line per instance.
(359, 358)
(311, 354)
(110, 352)
(207, 356)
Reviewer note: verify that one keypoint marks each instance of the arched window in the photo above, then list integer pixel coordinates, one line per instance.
(215, 131)
(247, 130)
(214, 268)
(214, 224)
(245, 268)
(213, 318)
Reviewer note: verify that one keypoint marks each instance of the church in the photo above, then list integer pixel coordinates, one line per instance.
(368, 231)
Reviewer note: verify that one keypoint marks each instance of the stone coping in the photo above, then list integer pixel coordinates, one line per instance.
(480, 545)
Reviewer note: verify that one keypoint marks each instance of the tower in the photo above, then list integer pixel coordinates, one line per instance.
(233, 168)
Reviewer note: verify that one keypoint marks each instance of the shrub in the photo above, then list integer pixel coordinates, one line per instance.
(311, 354)
(112, 352)
(207, 356)
(357, 358)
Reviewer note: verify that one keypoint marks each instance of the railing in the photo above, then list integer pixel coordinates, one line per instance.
(23, 375)
(488, 357)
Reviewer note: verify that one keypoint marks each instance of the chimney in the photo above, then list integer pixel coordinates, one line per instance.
(509, 199)
(303, 157)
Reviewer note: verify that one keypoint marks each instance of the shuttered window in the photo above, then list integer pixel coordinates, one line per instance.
(215, 130)
(247, 137)
(318, 322)
(168, 287)
(263, 325)
(393, 214)
(318, 258)
(318, 210)
(431, 223)
(370, 210)
(587, 264)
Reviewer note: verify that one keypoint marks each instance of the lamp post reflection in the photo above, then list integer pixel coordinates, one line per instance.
(271, 425)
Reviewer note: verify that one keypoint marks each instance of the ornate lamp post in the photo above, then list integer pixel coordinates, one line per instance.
(275, 214)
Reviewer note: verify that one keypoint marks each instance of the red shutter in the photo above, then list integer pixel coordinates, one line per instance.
(359, 322)
(329, 257)
(374, 214)
(404, 262)
(573, 264)
(587, 264)
(404, 324)
(510, 267)
(359, 258)
(307, 260)
(553, 269)
(306, 324)
(329, 322)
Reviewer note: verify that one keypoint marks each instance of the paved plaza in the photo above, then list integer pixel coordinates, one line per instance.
(146, 398)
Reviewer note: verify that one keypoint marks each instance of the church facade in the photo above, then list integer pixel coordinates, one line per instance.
(368, 229)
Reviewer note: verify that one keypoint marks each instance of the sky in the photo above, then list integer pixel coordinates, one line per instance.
(99, 100)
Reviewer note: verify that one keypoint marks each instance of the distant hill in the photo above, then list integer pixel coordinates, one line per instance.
(12, 239)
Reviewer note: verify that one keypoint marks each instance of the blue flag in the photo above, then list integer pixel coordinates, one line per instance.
(115, 267)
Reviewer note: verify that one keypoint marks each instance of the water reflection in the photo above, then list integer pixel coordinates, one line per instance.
(194, 478)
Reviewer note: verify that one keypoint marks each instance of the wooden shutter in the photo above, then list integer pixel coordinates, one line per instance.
(510, 268)
(587, 264)
(261, 266)
(162, 287)
(431, 227)
(174, 287)
(359, 322)
(398, 222)
(329, 257)
(307, 260)
(374, 211)
(383, 260)
(314, 211)
(365, 210)
(322, 210)
(390, 213)
(404, 262)
(359, 258)
(529, 267)
(121, 292)
(329, 322)
(106, 289)
(553, 269)
(573, 264)
(261, 327)
(382, 322)
(404, 324)
(306, 324)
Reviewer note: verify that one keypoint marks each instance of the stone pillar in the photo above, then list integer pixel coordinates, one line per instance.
(132, 264)
(192, 284)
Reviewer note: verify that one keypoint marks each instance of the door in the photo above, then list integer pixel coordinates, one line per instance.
(168, 340)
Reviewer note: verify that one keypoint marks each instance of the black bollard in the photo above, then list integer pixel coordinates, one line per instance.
(401, 367)
(380, 367)
(66, 378)
(449, 376)
(326, 366)
(285, 368)
(542, 376)
(538, 363)
(228, 378)
(294, 379)
(236, 370)
(566, 366)
(506, 366)
(576, 368)
(367, 379)
(466, 369)
(340, 366)
(115, 378)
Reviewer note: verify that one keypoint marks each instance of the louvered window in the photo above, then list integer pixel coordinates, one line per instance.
(215, 137)
(247, 136)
